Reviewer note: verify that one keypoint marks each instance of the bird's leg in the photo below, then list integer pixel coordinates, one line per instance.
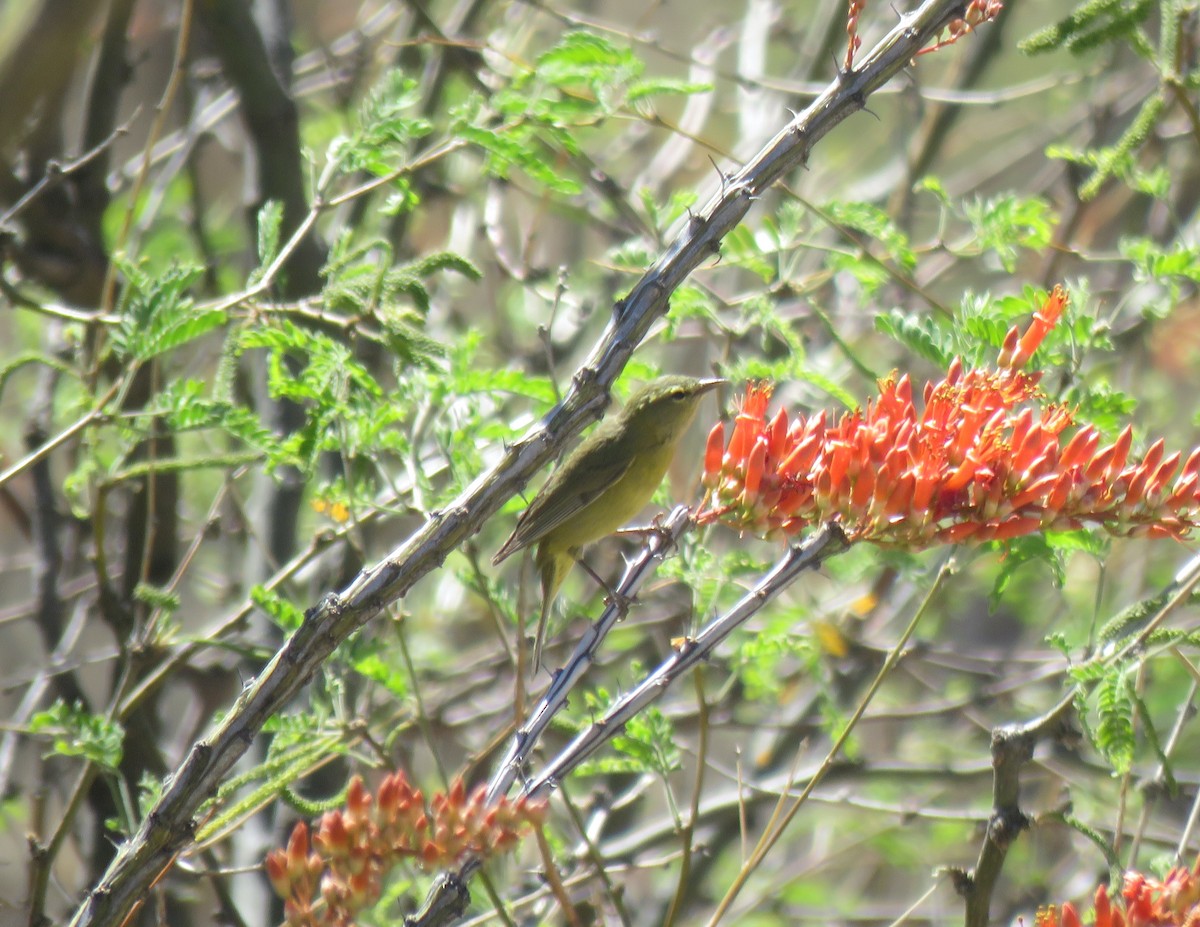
(612, 597)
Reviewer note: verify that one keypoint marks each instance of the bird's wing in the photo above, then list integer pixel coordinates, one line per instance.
(583, 482)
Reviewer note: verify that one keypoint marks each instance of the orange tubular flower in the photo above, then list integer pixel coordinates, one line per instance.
(981, 458)
(355, 848)
(1173, 902)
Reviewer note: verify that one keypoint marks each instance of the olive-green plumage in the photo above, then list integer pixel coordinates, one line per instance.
(604, 482)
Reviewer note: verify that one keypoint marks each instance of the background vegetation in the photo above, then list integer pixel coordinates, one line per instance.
(280, 280)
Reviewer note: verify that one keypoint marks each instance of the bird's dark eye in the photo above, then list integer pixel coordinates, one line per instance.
(679, 394)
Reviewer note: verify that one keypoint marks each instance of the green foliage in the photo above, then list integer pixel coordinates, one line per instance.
(158, 598)
(388, 124)
(762, 659)
(1091, 24)
(1097, 839)
(277, 608)
(77, 732)
(1152, 180)
(185, 406)
(1117, 158)
(1097, 402)
(313, 807)
(1114, 729)
(663, 215)
(346, 410)
(973, 334)
(1173, 269)
(1050, 549)
(372, 659)
(1006, 225)
(924, 335)
(786, 359)
(1097, 24)
(581, 82)
(1107, 706)
(405, 378)
(741, 250)
(286, 764)
(157, 315)
(150, 789)
(31, 358)
(1130, 621)
(585, 68)
(269, 224)
(648, 744)
(873, 222)
(395, 296)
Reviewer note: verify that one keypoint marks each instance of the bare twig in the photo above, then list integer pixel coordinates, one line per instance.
(58, 172)
(1012, 748)
(782, 819)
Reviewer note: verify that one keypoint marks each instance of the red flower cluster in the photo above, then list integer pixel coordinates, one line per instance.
(1173, 902)
(355, 848)
(976, 13)
(985, 459)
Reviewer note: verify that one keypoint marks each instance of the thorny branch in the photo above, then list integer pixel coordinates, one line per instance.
(818, 547)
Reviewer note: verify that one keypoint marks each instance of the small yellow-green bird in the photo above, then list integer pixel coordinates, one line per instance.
(604, 482)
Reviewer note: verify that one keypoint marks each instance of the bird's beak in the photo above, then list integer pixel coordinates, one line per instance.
(711, 384)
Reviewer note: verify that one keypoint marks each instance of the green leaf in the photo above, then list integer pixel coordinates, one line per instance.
(649, 742)
(1152, 180)
(920, 334)
(760, 657)
(157, 597)
(1008, 223)
(389, 121)
(79, 733)
(1111, 161)
(1090, 24)
(1033, 548)
(156, 313)
(277, 608)
(873, 221)
(284, 765)
(1114, 732)
(741, 250)
(185, 406)
(270, 221)
(369, 660)
(519, 148)
(642, 89)
(589, 61)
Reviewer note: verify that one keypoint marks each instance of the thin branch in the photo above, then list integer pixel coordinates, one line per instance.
(776, 828)
(1012, 748)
